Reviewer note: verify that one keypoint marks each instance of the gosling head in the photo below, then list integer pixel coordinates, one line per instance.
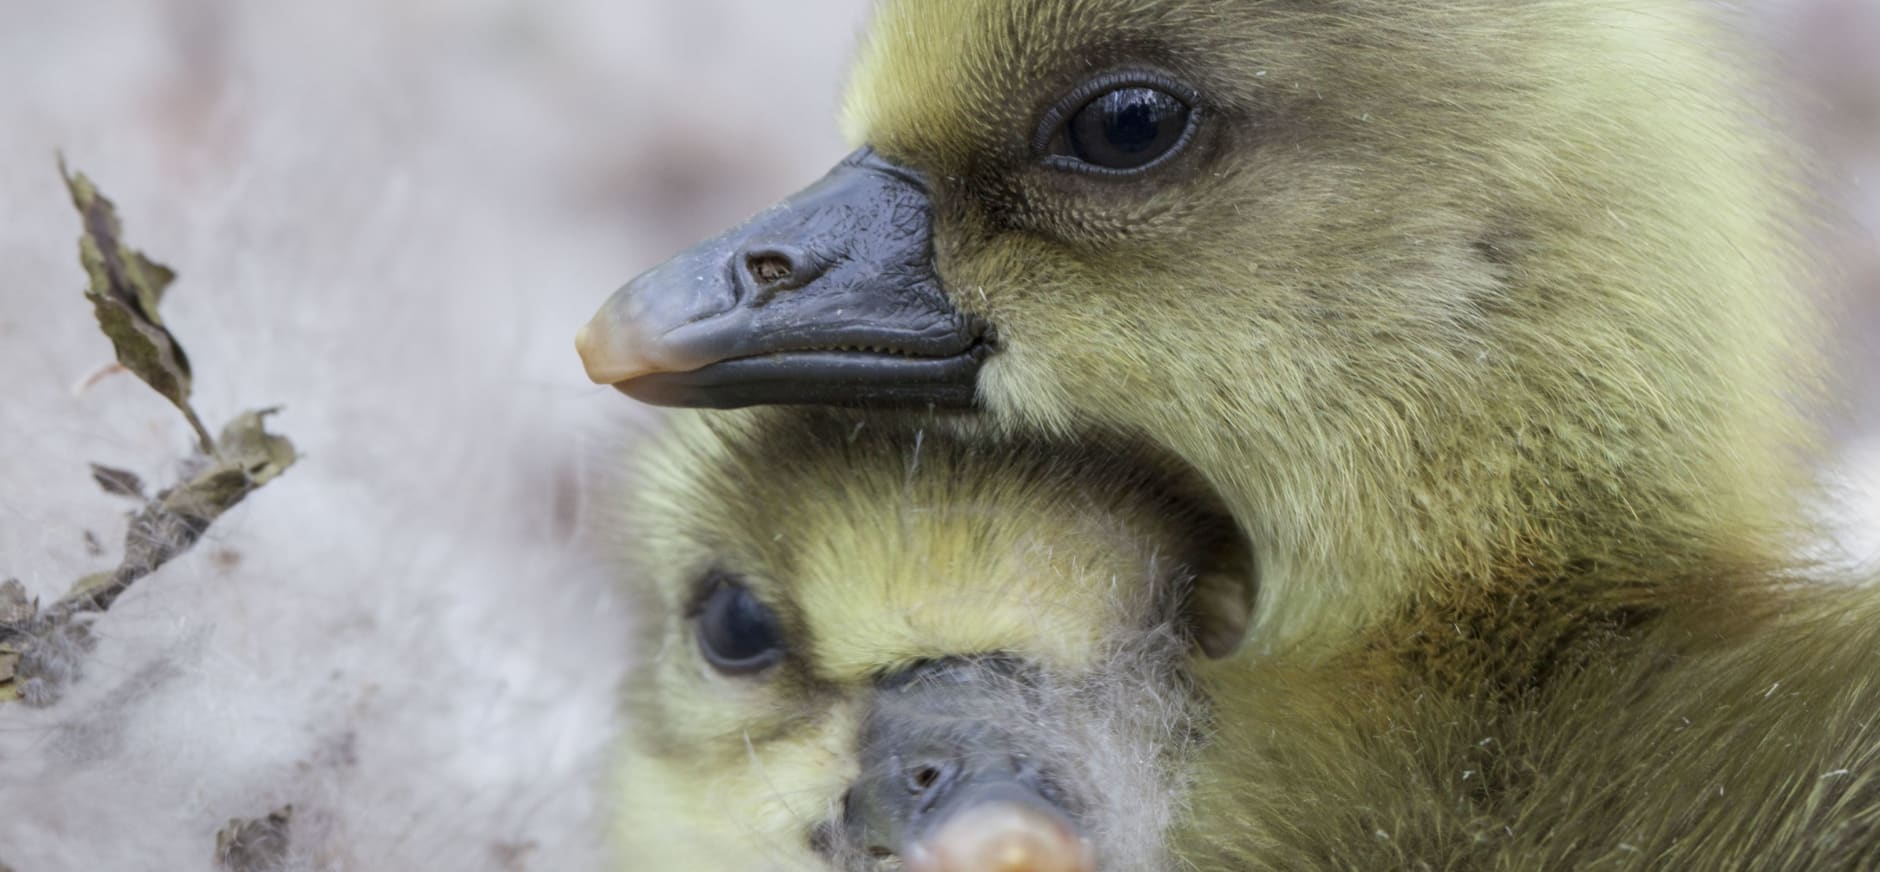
(1430, 292)
(873, 646)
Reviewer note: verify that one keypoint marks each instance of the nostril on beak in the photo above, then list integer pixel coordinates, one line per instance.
(769, 268)
(766, 270)
(924, 778)
(927, 782)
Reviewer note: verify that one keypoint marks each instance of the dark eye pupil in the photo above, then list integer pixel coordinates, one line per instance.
(1127, 128)
(738, 633)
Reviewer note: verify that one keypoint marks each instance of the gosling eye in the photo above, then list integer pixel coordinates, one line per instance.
(737, 633)
(1122, 129)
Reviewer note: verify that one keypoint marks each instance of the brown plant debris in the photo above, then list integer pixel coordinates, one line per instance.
(121, 482)
(40, 650)
(254, 845)
(125, 289)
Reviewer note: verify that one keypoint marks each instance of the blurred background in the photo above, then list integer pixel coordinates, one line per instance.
(389, 216)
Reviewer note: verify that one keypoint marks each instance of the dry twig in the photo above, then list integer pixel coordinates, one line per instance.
(40, 650)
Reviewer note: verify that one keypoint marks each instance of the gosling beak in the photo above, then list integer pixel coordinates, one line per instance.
(828, 298)
(947, 787)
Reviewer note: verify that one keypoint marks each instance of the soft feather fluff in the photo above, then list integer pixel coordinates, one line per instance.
(388, 217)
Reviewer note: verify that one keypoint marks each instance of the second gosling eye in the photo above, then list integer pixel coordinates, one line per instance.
(1121, 130)
(737, 633)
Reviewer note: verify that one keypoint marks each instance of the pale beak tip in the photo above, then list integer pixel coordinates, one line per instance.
(600, 361)
(1003, 840)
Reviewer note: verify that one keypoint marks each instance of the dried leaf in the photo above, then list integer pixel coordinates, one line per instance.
(247, 458)
(41, 650)
(90, 584)
(16, 608)
(247, 443)
(121, 482)
(125, 289)
(255, 845)
(17, 612)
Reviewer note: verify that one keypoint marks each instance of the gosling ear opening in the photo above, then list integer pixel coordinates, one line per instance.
(1220, 600)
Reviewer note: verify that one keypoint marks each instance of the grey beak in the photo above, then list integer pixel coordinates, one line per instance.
(829, 298)
(948, 786)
